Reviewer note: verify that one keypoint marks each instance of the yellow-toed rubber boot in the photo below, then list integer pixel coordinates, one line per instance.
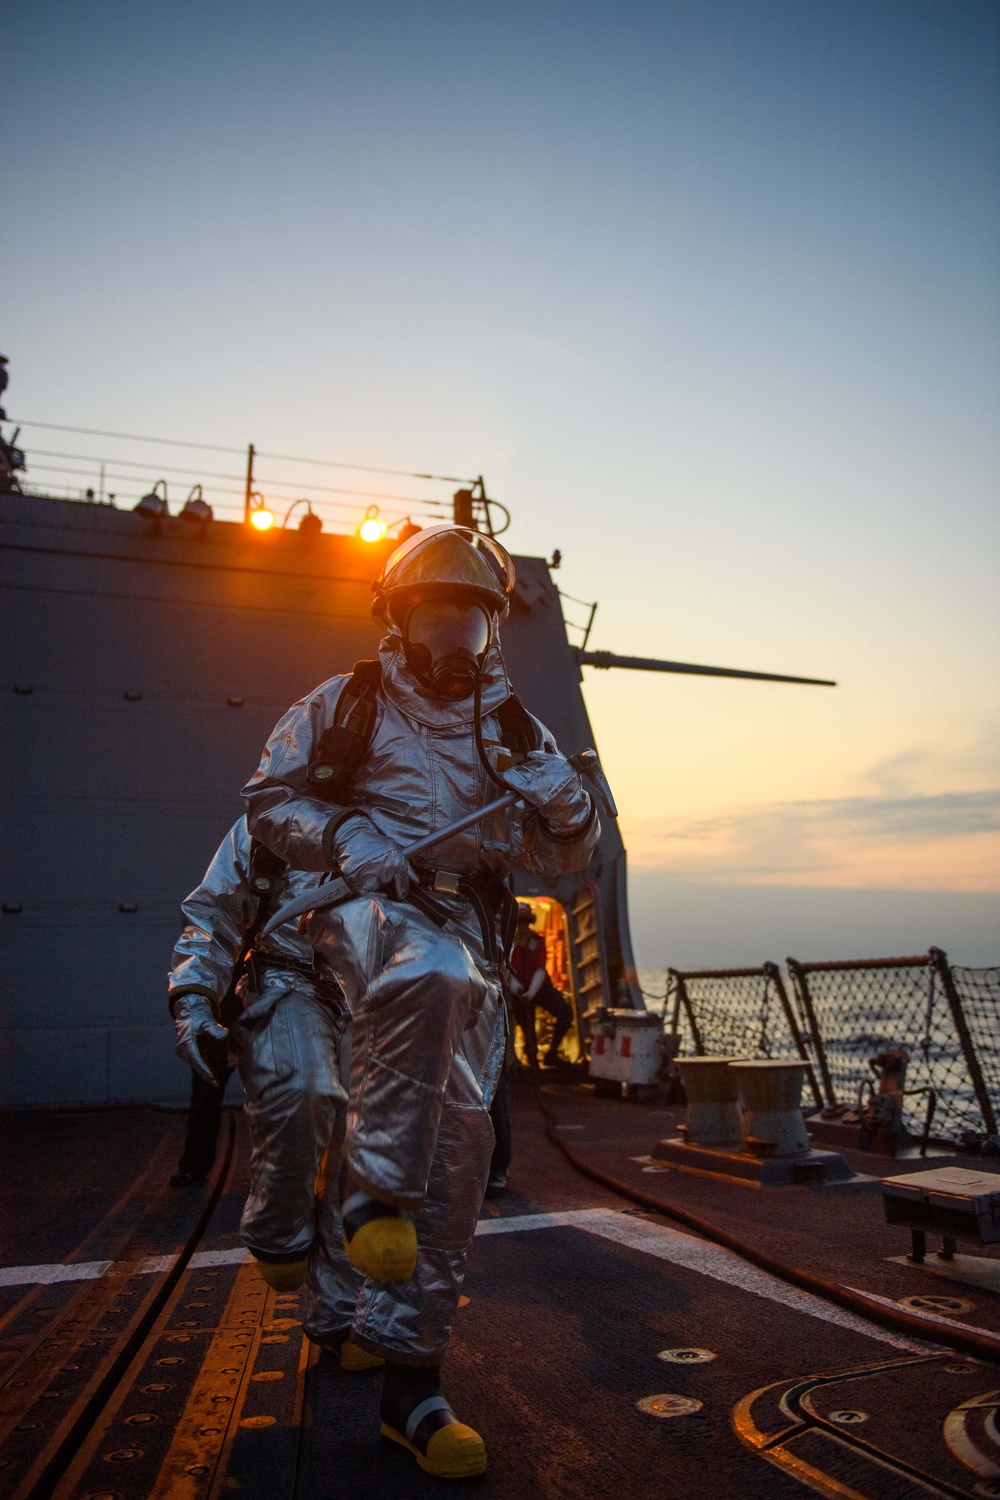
(356, 1360)
(453, 1451)
(350, 1356)
(378, 1240)
(417, 1416)
(283, 1276)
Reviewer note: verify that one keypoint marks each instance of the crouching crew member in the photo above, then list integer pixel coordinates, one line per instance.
(530, 988)
(285, 1018)
(362, 767)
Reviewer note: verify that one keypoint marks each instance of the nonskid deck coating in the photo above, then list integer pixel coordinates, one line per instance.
(557, 1343)
(835, 1230)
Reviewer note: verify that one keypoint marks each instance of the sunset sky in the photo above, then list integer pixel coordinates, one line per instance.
(709, 294)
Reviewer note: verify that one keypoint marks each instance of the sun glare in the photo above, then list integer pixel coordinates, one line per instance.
(372, 528)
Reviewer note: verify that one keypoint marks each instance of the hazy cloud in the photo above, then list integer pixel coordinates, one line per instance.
(809, 837)
(947, 815)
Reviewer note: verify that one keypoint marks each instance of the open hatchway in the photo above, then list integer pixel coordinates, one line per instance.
(551, 921)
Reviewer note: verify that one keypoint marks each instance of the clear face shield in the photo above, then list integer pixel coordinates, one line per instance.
(445, 640)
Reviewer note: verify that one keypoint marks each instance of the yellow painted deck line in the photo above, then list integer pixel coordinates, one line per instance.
(202, 1436)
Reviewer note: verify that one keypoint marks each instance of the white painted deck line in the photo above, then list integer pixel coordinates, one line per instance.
(659, 1240)
(707, 1259)
(237, 1257)
(81, 1270)
(580, 1217)
(92, 1270)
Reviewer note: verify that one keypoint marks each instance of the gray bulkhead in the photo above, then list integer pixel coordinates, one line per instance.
(143, 671)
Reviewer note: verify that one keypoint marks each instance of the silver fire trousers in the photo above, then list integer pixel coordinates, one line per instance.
(427, 1044)
(288, 1060)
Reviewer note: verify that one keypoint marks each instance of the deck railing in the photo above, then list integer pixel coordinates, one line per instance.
(840, 1015)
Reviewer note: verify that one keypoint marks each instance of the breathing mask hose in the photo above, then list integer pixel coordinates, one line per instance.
(477, 724)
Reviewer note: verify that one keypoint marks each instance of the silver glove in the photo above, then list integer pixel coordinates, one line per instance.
(548, 781)
(193, 1020)
(368, 860)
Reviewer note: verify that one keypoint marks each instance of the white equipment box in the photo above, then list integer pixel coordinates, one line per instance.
(626, 1046)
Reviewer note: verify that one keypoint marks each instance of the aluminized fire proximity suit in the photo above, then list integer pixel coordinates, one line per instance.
(428, 1027)
(288, 1044)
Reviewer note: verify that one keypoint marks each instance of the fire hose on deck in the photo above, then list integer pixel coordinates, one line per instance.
(974, 1342)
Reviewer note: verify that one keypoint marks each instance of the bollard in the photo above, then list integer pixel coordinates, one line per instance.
(770, 1094)
(713, 1111)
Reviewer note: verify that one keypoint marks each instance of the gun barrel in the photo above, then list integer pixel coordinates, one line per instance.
(605, 659)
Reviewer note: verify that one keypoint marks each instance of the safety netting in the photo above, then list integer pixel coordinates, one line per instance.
(852, 1011)
(978, 994)
(734, 1013)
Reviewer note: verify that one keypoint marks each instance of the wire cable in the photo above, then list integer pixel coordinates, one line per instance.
(290, 484)
(330, 463)
(213, 491)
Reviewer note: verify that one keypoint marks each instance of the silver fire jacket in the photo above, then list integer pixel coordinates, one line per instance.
(216, 916)
(421, 773)
(286, 1040)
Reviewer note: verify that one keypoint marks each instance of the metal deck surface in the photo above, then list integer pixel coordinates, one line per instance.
(143, 1356)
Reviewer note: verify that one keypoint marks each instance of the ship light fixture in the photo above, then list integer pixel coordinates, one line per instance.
(372, 528)
(196, 509)
(154, 505)
(261, 519)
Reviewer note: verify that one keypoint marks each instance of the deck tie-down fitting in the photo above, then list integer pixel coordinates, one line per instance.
(713, 1109)
(770, 1095)
(744, 1120)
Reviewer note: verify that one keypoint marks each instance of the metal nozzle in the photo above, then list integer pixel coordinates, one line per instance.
(588, 765)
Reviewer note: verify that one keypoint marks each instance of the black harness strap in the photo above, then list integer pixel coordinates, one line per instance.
(518, 730)
(342, 747)
(263, 881)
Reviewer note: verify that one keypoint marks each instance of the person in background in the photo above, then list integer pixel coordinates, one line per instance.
(496, 1183)
(530, 987)
(285, 1021)
(204, 1116)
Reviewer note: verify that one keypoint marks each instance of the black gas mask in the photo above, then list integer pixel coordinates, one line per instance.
(445, 641)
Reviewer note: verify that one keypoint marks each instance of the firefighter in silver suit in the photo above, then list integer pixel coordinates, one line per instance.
(419, 951)
(285, 1022)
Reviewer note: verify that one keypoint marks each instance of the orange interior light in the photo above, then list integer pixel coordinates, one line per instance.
(262, 519)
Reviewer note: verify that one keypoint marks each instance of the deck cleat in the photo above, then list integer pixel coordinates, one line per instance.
(416, 1415)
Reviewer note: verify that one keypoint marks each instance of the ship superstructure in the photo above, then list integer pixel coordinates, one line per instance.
(147, 658)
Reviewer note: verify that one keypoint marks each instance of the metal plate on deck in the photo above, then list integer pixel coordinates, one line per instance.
(947, 1187)
(668, 1406)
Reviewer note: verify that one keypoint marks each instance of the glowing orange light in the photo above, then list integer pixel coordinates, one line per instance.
(372, 528)
(262, 519)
